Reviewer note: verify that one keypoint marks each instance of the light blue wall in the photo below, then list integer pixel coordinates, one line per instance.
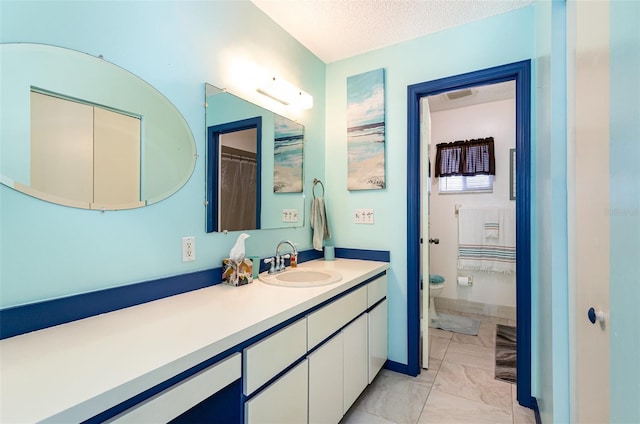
(490, 42)
(550, 359)
(624, 156)
(49, 251)
(551, 332)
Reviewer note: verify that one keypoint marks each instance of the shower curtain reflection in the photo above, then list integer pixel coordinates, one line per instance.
(237, 193)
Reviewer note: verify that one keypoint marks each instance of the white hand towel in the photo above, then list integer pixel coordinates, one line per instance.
(491, 223)
(478, 252)
(319, 223)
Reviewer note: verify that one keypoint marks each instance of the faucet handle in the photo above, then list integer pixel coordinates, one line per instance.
(272, 268)
(283, 265)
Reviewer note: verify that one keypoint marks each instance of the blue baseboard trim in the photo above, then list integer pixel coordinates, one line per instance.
(309, 255)
(369, 255)
(398, 367)
(534, 406)
(23, 319)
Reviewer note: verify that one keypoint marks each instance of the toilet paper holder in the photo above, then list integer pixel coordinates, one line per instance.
(465, 280)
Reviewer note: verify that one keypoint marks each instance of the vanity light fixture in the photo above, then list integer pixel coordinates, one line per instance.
(286, 93)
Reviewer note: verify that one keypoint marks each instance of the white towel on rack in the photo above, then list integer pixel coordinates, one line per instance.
(492, 251)
(319, 223)
(491, 223)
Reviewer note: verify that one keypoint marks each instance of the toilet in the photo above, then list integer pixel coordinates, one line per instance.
(436, 283)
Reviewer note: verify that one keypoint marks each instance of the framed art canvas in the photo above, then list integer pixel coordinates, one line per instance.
(366, 131)
(287, 156)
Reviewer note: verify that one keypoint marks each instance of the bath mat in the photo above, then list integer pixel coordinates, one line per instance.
(505, 353)
(457, 324)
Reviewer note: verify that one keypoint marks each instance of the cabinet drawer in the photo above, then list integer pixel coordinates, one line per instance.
(265, 359)
(376, 290)
(283, 402)
(179, 398)
(329, 319)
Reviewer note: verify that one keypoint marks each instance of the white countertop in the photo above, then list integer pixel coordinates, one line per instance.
(74, 371)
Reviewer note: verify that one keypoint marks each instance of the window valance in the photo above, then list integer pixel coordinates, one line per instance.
(469, 157)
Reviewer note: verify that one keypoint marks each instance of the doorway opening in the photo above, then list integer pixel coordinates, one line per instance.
(487, 274)
(234, 175)
(520, 73)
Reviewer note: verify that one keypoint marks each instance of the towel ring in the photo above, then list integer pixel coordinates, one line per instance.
(313, 190)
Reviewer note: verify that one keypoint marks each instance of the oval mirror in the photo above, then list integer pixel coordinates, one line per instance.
(79, 131)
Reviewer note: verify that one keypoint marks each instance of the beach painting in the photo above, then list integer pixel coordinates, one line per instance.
(366, 131)
(288, 155)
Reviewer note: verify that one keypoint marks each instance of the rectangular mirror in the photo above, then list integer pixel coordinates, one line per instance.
(254, 166)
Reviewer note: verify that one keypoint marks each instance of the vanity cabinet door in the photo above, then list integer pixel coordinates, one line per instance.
(377, 321)
(355, 360)
(326, 374)
(283, 402)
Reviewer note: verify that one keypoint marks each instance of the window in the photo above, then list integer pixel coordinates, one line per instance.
(462, 183)
(466, 166)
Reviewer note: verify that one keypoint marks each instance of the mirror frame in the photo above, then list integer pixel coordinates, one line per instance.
(213, 170)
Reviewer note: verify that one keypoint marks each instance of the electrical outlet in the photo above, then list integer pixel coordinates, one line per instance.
(188, 249)
(364, 216)
(289, 215)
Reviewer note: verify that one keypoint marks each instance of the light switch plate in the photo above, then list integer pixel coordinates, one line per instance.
(364, 216)
(289, 215)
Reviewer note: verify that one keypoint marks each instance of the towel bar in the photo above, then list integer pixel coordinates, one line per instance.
(313, 189)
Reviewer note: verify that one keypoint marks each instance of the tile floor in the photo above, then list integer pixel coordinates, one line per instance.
(458, 387)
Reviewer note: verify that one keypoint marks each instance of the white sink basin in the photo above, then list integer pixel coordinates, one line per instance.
(301, 277)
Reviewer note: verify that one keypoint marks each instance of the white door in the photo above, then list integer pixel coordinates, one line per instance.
(425, 131)
(588, 217)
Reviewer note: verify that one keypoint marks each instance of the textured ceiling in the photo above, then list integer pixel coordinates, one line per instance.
(472, 96)
(337, 29)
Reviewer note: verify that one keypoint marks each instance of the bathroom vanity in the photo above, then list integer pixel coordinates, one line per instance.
(255, 353)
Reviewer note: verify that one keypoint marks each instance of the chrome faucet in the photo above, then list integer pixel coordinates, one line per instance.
(280, 266)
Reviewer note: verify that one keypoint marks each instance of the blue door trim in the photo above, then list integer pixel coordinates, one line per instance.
(213, 147)
(521, 73)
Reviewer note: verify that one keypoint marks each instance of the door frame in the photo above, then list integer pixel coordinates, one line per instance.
(213, 167)
(520, 72)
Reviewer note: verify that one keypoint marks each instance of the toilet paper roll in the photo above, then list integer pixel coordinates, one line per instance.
(464, 281)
